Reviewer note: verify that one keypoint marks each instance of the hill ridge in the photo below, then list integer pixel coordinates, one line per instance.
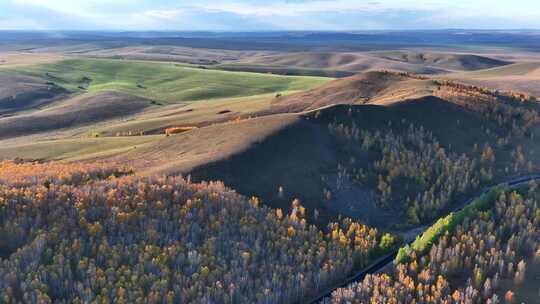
(384, 88)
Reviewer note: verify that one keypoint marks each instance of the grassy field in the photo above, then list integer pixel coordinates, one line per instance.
(226, 95)
(74, 149)
(164, 82)
(23, 59)
(199, 113)
(82, 110)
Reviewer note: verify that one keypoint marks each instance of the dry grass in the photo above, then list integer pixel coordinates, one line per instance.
(73, 149)
(12, 59)
(21, 93)
(404, 61)
(84, 109)
(522, 76)
(387, 88)
(171, 53)
(204, 113)
(203, 145)
(367, 88)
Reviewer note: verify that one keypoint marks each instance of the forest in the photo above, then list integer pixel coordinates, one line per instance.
(412, 170)
(485, 259)
(87, 233)
(427, 176)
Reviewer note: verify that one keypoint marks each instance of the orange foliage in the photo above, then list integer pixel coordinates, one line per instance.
(70, 231)
(22, 173)
(509, 297)
(176, 130)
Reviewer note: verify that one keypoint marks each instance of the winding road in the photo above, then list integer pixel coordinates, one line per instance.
(386, 260)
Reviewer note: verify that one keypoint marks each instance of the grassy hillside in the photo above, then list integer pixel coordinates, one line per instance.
(195, 114)
(328, 64)
(20, 93)
(168, 53)
(206, 145)
(522, 76)
(298, 153)
(320, 156)
(385, 87)
(370, 87)
(453, 62)
(84, 109)
(342, 64)
(22, 58)
(74, 148)
(164, 82)
(419, 158)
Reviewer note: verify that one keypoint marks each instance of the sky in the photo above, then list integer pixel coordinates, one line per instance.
(267, 15)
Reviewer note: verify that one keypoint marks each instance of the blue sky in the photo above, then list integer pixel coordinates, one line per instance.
(254, 15)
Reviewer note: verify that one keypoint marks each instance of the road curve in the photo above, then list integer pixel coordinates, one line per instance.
(389, 258)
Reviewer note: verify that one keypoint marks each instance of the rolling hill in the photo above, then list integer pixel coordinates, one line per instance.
(163, 82)
(306, 155)
(19, 93)
(296, 142)
(346, 64)
(27, 58)
(521, 77)
(167, 53)
(114, 89)
(78, 111)
(447, 61)
(314, 63)
(370, 87)
(383, 87)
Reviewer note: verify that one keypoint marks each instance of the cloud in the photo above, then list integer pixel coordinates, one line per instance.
(241, 15)
(163, 14)
(68, 8)
(16, 23)
(296, 8)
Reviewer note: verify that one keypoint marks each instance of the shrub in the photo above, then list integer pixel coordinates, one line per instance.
(176, 130)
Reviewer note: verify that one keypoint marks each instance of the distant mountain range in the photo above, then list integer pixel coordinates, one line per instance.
(286, 40)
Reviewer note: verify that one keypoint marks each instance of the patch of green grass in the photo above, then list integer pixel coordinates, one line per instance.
(164, 82)
(279, 70)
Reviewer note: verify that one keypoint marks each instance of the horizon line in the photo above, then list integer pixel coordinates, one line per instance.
(270, 30)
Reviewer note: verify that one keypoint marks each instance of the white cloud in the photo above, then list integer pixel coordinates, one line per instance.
(153, 19)
(276, 14)
(163, 14)
(99, 14)
(16, 23)
(287, 8)
(74, 8)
